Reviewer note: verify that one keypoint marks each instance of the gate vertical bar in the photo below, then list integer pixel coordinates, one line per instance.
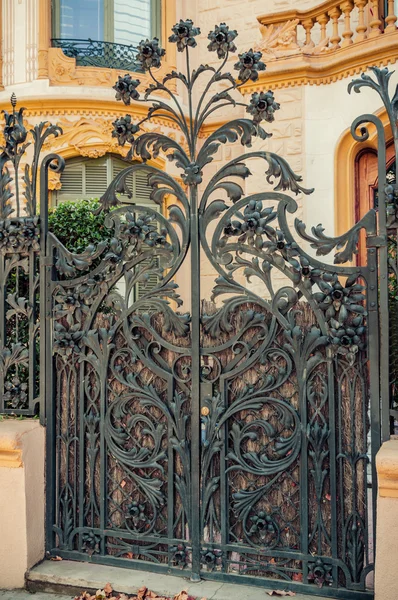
(46, 385)
(195, 402)
(46, 370)
(383, 286)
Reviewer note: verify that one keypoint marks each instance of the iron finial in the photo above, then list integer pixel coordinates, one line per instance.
(13, 100)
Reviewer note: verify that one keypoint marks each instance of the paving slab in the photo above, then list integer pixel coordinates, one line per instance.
(25, 595)
(74, 577)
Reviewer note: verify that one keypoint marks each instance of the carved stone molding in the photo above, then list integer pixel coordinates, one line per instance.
(63, 70)
(279, 37)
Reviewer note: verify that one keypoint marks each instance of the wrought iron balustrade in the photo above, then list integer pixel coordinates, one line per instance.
(97, 53)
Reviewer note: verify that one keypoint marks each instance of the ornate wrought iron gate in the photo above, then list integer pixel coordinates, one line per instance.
(226, 439)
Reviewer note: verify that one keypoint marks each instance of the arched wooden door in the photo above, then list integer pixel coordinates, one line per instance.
(366, 182)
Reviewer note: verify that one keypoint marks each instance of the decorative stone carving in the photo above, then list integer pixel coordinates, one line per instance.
(54, 181)
(63, 70)
(279, 38)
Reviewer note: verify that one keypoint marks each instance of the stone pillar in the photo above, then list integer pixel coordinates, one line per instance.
(22, 499)
(387, 521)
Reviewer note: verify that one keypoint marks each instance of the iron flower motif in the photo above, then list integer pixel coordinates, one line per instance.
(192, 174)
(180, 555)
(149, 54)
(137, 514)
(69, 305)
(14, 130)
(19, 235)
(344, 312)
(158, 239)
(211, 558)
(124, 130)
(66, 340)
(319, 573)
(126, 89)
(337, 300)
(184, 34)
(253, 224)
(138, 227)
(94, 286)
(262, 523)
(248, 65)
(15, 396)
(91, 543)
(263, 106)
(222, 40)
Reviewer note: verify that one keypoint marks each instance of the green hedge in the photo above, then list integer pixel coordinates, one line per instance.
(76, 226)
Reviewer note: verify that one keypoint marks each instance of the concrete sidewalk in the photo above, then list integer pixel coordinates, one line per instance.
(24, 595)
(74, 577)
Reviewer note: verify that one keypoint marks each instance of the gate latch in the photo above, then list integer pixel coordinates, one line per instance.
(206, 394)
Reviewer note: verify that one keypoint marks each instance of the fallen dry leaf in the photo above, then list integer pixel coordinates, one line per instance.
(142, 593)
(56, 558)
(181, 596)
(281, 593)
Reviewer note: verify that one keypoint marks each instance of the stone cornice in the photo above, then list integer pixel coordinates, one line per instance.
(64, 106)
(301, 69)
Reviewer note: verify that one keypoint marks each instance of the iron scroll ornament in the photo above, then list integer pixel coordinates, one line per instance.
(222, 454)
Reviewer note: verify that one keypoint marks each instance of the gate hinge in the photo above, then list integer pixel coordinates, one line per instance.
(376, 241)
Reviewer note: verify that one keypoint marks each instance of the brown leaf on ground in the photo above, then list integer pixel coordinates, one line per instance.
(142, 593)
(181, 596)
(56, 558)
(281, 593)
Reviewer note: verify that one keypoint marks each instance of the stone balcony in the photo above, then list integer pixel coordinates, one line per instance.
(328, 42)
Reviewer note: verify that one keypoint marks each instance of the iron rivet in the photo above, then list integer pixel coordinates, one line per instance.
(373, 304)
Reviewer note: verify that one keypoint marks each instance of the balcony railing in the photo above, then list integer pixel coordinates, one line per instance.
(327, 42)
(95, 53)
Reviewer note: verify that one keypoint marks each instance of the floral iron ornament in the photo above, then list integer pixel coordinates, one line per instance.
(12, 201)
(215, 434)
(20, 245)
(262, 107)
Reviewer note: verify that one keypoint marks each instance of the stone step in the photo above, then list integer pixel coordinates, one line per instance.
(70, 577)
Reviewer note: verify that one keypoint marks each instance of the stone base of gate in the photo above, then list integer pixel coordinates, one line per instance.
(386, 584)
(69, 577)
(22, 503)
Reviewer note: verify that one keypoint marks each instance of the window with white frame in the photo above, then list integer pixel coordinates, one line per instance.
(124, 22)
